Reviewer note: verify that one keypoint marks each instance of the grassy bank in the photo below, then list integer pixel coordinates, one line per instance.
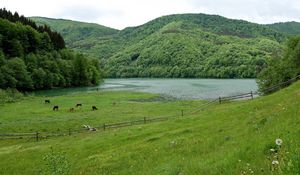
(232, 138)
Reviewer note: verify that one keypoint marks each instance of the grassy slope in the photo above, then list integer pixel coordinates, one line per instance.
(210, 142)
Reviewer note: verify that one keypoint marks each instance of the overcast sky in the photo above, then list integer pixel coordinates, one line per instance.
(123, 13)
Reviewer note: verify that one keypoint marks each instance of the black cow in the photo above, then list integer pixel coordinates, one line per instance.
(79, 104)
(47, 101)
(94, 108)
(55, 108)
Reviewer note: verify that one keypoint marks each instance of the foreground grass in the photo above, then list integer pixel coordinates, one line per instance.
(232, 138)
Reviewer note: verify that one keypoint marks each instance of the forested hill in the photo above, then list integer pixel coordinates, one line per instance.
(185, 45)
(78, 35)
(34, 57)
(290, 28)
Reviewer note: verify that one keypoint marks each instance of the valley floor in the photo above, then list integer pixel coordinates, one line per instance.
(232, 138)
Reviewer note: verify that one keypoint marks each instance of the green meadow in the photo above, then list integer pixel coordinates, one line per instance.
(232, 138)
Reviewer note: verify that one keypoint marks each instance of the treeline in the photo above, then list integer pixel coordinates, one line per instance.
(56, 39)
(281, 68)
(29, 59)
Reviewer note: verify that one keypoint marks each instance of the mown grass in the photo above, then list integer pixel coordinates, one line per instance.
(232, 138)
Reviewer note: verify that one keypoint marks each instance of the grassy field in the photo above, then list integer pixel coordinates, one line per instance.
(33, 114)
(232, 138)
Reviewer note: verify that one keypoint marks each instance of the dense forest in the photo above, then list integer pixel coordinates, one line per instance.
(34, 57)
(185, 45)
(289, 28)
(281, 68)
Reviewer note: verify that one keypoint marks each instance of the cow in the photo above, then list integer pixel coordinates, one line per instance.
(55, 108)
(47, 101)
(78, 104)
(94, 108)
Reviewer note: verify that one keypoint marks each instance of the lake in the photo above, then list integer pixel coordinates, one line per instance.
(176, 88)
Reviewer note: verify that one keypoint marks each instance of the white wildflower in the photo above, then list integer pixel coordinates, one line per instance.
(272, 150)
(278, 142)
(275, 162)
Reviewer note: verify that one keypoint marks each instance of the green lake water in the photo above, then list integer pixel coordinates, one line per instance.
(176, 88)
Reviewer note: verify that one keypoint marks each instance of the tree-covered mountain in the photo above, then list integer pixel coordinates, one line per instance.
(185, 45)
(34, 57)
(80, 36)
(290, 28)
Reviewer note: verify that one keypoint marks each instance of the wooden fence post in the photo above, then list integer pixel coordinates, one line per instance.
(220, 100)
(145, 120)
(181, 113)
(251, 95)
(104, 126)
(37, 136)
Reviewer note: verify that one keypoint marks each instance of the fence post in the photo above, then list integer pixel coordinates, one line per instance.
(37, 136)
(220, 100)
(104, 126)
(145, 120)
(251, 95)
(181, 113)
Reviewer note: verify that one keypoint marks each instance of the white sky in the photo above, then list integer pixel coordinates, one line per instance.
(123, 13)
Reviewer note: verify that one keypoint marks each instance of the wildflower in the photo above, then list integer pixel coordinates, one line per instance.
(240, 160)
(278, 142)
(275, 162)
(272, 150)
(173, 142)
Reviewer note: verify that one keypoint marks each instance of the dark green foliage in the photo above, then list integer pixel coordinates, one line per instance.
(281, 68)
(290, 28)
(56, 39)
(31, 60)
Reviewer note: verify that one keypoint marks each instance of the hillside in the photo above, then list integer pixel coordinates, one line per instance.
(34, 57)
(231, 138)
(185, 45)
(290, 28)
(79, 36)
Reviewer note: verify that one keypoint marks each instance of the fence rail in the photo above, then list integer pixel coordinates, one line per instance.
(45, 135)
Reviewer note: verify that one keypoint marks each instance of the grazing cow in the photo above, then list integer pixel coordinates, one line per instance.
(47, 101)
(55, 108)
(78, 104)
(71, 109)
(94, 108)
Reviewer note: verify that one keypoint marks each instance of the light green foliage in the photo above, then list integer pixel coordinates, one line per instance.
(10, 96)
(223, 139)
(186, 45)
